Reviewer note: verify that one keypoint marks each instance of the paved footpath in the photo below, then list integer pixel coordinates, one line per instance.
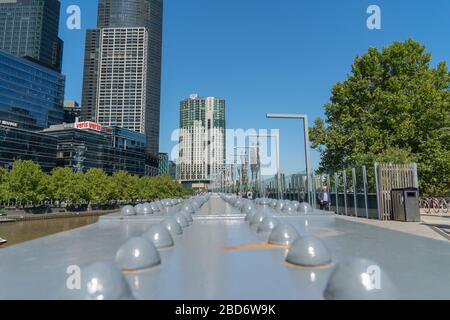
(24, 216)
(221, 257)
(434, 227)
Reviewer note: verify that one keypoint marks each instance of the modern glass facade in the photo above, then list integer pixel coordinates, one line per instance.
(125, 139)
(31, 95)
(173, 170)
(72, 111)
(90, 75)
(30, 28)
(110, 149)
(17, 144)
(163, 164)
(125, 15)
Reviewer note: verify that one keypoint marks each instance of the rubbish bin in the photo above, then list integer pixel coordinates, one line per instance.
(405, 205)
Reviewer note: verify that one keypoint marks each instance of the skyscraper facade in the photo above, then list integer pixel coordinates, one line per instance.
(31, 95)
(122, 73)
(121, 96)
(163, 164)
(202, 139)
(30, 28)
(90, 75)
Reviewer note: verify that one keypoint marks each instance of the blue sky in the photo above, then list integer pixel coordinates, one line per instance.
(266, 56)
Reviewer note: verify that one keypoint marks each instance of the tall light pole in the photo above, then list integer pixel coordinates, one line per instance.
(234, 170)
(277, 153)
(303, 117)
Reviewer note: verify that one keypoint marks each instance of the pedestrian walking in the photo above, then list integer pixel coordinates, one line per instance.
(324, 198)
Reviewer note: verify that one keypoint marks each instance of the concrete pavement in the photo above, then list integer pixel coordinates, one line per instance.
(434, 227)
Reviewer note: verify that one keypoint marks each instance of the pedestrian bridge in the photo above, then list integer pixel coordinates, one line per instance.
(231, 249)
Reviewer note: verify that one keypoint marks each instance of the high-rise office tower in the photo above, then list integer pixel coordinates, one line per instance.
(29, 28)
(122, 70)
(31, 95)
(202, 139)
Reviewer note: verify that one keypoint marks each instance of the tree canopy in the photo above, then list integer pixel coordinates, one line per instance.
(393, 107)
(3, 184)
(27, 183)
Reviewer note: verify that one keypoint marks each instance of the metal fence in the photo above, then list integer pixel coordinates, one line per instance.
(393, 176)
(363, 192)
(352, 192)
(359, 192)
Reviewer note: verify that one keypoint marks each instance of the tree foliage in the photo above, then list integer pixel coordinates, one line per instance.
(3, 184)
(27, 183)
(393, 107)
(60, 184)
(98, 187)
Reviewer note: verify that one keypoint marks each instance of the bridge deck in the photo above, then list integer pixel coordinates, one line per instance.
(200, 267)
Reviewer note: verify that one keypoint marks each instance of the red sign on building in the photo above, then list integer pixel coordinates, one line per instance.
(92, 126)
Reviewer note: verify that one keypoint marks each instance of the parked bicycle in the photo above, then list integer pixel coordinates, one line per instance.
(435, 204)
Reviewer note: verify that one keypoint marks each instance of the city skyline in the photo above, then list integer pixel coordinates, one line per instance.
(234, 150)
(39, 125)
(268, 59)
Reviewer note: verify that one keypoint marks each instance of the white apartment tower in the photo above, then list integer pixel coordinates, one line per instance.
(202, 139)
(121, 93)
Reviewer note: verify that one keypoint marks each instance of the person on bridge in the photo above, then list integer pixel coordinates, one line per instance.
(324, 198)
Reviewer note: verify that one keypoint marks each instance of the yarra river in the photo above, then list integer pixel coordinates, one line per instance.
(22, 231)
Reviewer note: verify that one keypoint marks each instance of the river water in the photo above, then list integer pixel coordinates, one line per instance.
(18, 232)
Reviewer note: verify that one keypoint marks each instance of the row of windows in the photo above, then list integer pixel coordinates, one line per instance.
(118, 81)
(30, 71)
(36, 81)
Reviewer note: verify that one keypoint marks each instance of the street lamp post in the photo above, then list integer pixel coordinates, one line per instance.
(245, 148)
(277, 152)
(303, 117)
(234, 171)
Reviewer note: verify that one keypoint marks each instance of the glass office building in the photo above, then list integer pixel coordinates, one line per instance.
(72, 111)
(30, 28)
(18, 144)
(31, 95)
(85, 145)
(173, 170)
(163, 164)
(128, 140)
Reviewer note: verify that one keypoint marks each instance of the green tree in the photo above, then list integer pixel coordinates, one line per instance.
(125, 186)
(97, 187)
(26, 183)
(392, 108)
(3, 184)
(147, 189)
(78, 192)
(132, 190)
(160, 187)
(61, 183)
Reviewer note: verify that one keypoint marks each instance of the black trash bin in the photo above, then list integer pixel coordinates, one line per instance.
(405, 205)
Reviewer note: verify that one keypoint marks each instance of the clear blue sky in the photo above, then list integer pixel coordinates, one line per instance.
(266, 56)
